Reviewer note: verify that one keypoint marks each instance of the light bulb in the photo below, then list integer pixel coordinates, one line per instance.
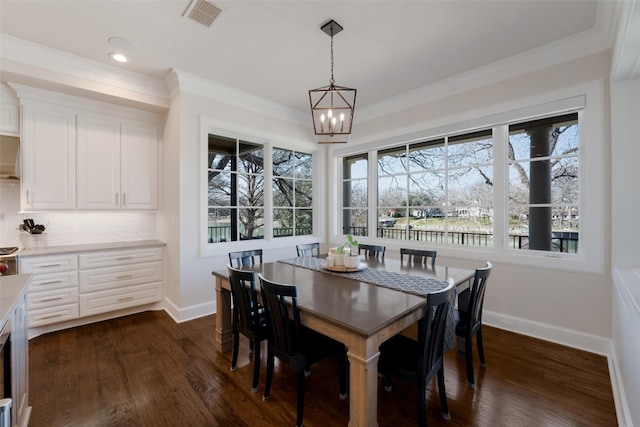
(322, 118)
(342, 117)
(330, 114)
(119, 57)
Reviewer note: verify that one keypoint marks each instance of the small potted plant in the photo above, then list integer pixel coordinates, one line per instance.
(338, 254)
(351, 257)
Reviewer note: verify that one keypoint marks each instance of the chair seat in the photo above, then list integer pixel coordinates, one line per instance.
(398, 357)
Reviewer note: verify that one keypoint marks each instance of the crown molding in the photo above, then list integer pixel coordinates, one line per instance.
(179, 81)
(626, 56)
(568, 49)
(56, 67)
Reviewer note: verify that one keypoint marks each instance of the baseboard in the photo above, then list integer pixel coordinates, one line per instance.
(543, 331)
(180, 315)
(617, 386)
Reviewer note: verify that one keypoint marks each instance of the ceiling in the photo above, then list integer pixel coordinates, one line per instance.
(276, 50)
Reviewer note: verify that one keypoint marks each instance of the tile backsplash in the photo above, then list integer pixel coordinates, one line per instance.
(65, 228)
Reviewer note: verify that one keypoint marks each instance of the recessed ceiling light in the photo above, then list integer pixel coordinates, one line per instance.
(120, 44)
(118, 57)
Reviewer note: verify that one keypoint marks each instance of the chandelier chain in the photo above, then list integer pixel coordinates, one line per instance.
(332, 81)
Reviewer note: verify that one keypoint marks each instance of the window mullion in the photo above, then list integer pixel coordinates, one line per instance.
(500, 187)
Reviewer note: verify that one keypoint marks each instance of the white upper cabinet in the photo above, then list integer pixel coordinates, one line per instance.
(139, 166)
(79, 154)
(117, 164)
(48, 153)
(9, 111)
(98, 163)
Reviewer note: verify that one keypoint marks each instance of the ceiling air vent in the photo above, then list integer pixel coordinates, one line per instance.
(202, 12)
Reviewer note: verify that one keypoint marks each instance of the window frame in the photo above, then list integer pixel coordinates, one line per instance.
(587, 100)
(208, 125)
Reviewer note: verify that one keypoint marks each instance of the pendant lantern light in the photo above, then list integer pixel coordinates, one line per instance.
(332, 106)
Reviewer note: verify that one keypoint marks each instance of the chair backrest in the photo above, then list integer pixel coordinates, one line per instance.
(281, 304)
(418, 256)
(245, 298)
(308, 249)
(242, 258)
(431, 328)
(372, 250)
(476, 298)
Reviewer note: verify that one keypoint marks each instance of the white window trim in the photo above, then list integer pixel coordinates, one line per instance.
(591, 258)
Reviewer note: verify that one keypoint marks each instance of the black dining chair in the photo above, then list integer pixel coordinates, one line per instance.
(295, 344)
(418, 256)
(470, 302)
(245, 258)
(249, 318)
(308, 249)
(372, 251)
(418, 362)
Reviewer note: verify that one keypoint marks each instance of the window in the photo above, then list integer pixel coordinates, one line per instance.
(292, 193)
(438, 191)
(442, 190)
(544, 184)
(235, 190)
(354, 193)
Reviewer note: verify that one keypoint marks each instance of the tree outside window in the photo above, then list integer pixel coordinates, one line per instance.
(235, 171)
(354, 194)
(292, 193)
(544, 185)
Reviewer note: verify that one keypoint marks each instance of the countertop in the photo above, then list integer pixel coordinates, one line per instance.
(11, 288)
(51, 250)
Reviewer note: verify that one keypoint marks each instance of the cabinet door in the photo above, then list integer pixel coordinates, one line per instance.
(48, 159)
(20, 360)
(98, 163)
(139, 166)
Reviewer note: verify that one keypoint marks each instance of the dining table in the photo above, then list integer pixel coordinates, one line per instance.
(361, 308)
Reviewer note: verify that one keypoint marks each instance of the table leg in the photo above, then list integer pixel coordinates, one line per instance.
(224, 333)
(363, 390)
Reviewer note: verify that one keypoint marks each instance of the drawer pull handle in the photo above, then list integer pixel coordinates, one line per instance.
(126, 276)
(125, 299)
(51, 299)
(120, 258)
(51, 317)
(50, 265)
(50, 282)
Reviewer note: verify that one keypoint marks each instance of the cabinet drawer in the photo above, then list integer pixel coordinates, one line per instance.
(99, 279)
(50, 315)
(53, 298)
(51, 281)
(120, 257)
(104, 301)
(48, 264)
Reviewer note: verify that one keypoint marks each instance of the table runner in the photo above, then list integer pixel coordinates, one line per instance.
(421, 286)
(416, 285)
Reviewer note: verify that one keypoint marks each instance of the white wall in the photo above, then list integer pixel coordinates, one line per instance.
(192, 292)
(625, 230)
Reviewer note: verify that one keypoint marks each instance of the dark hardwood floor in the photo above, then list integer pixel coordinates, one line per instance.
(146, 370)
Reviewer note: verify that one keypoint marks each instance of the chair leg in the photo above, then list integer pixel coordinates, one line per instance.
(443, 395)
(269, 376)
(256, 367)
(234, 354)
(421, 403)
(388, 386)
(300, 408)
(468, 357)
(342, 374)
(480, 347)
